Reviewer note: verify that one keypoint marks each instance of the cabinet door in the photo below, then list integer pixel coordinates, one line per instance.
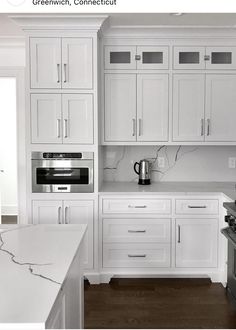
(46, 125)
(196, 242)
(152, 57)
(120, 107)
(189, 58)
(45, 62)
(57, 317)
(221, 58)
(152, 107)
(188, 107)
(47, 212)
(81, 212)
(77, 63)
(120, 57)
(220, 107)
(77, 118)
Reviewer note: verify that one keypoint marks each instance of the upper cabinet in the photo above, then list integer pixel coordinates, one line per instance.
(132, 57)
(61, 63)
(136, 107)
(212, 58)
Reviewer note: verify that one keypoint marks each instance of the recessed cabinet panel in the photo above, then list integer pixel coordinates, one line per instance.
(77, 63)
(152, 107)
(220, 107)
(196, 243)
(136, 255)
(223, 58)
(152, 57)
(189, 58)
(188, 107)
(46, 124)
(81, 212)
(120, 107)
(45, 62)
(120, 57)
(47, 212)
(77, 118)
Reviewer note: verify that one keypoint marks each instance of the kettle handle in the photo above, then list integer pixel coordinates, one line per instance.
(135, 165)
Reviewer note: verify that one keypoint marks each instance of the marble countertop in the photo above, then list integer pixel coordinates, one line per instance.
(226, 188)
(34, 261)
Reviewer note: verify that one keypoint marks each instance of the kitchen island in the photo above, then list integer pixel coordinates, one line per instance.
(41, 276)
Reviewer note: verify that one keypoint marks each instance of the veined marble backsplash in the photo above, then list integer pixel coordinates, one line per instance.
(182, 163)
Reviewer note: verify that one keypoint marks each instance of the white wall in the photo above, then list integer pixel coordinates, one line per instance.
(8, 149)
(192, 164)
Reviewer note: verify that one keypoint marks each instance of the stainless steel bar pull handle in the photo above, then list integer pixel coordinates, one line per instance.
(137, 255)
(58, 73)
(197, 206)
(202, 127)
(137, 207)
(65, 78)
(136, 231)
(58, 128)
(140, 127)
(178, 233)
(66, 215)
(208, 127)
(134, 127)
(59, 215)
(65, 128)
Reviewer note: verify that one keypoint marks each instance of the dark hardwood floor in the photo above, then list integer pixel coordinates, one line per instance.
(158, 304)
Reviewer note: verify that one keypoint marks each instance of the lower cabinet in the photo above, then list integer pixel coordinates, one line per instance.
(157, 235)
(68, 212)
(196, 242)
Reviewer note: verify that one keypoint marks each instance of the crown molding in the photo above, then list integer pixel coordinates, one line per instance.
(59, 22)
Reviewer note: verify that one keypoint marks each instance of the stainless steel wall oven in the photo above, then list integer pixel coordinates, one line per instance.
(62, 172)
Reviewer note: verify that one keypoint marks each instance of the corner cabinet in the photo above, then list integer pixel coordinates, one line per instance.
(136, 108)
(68, 212)
(62, 118)
(61, 63)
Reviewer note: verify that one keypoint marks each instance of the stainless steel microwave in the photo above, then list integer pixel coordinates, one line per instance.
(62, 172)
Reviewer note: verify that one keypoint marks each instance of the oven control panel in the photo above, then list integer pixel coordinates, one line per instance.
(64, 155)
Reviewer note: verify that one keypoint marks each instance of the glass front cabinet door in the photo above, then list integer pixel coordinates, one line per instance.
(210, 58)
(132, 57)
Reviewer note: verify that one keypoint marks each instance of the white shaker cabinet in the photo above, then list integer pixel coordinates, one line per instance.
(190, 57)
(68, 212)
(61, 63)
(46, 124)
(188, 107)
(152, 107)
(221, 58)
(47, 212)
(120, 107)
(136, 107)
(45, 62)
(77, 118)
(196, 242)
(152, 58)
(62, 118)
(220, 107)
(77, 62)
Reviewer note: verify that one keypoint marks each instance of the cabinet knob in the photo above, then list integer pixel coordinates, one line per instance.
(137, 57)
(207, 58)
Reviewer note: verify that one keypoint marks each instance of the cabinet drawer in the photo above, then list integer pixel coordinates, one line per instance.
(136, 255)
(136, 230)
(160, 206)
(196, 206)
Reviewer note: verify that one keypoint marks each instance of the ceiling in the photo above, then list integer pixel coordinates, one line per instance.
(8, 28)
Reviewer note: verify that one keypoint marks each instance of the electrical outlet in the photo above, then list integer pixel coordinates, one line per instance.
(161, 162)
(232, 162)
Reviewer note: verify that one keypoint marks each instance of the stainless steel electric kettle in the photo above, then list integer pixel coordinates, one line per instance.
(144, 171)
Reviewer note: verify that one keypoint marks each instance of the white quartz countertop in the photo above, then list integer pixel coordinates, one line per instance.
(226, 188)
(34, 261)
